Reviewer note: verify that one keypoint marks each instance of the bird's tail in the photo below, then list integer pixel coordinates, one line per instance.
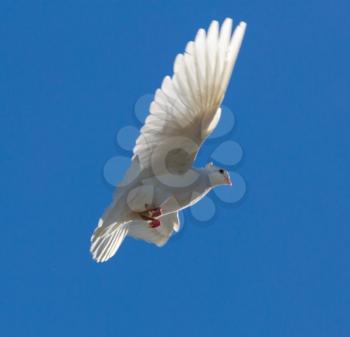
(106, 240)
(110, 232)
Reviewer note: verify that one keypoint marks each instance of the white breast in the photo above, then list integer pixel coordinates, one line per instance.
(176, 192)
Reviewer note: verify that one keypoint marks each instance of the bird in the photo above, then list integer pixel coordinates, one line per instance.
(162, 180)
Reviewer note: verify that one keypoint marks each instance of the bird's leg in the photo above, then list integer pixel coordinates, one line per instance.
(154, 223)
(154, 212)
(151, 214)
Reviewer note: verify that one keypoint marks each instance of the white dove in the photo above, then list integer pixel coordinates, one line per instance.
(161, 180)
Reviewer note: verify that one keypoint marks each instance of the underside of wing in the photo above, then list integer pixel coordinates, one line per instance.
(187, 107)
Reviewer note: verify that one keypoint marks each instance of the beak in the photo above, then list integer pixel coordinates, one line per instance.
(228, 180)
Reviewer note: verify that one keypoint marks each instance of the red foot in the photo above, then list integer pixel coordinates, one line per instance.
(154, 212)
(154, 223)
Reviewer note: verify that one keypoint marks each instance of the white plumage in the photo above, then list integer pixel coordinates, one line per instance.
(184, 112)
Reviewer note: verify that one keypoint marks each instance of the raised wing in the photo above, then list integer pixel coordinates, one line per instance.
(187, 107)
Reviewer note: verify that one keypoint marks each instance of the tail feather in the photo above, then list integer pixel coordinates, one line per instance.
(106, 240)
(110, 232)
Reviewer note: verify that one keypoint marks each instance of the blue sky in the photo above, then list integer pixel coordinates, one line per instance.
(274, 264)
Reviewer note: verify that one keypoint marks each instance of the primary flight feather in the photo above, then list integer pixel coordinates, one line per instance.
(161, 179)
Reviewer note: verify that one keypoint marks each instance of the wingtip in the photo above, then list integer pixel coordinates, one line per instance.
(227, 20)
(213, 23)
(243, 25)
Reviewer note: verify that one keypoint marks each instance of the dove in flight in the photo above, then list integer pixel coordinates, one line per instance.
(161, 180)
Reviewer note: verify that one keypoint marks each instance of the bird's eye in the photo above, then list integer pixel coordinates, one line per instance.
(221, 171)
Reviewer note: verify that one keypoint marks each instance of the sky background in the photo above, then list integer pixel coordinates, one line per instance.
(275, 264)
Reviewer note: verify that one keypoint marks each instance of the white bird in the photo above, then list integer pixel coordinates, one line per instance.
(161, 180)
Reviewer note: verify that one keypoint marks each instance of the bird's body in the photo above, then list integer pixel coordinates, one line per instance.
(170, 192)
(161, 180)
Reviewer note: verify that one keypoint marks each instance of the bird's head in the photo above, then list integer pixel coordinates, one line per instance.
(217, 176)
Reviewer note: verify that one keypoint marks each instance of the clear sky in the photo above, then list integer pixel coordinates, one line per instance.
(274, 264)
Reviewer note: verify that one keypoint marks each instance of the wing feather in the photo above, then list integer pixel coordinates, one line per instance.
(186, 108)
